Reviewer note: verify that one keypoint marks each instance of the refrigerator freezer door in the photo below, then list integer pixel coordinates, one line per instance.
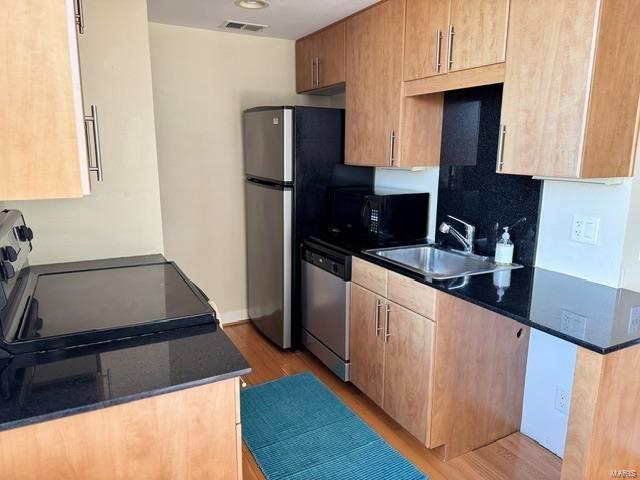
(268, 144)
(269, 257)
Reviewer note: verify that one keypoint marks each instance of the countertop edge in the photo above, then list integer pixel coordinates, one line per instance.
(120, 400)
(524, 321)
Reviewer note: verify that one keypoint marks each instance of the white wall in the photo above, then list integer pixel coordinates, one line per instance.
(418, 181)
(548, 357)
(203, 80)
(613, 261)
(599, 263)
(121, 217)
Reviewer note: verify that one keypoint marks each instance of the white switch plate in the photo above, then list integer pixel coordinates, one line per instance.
(585, 229)
(634, 320)
(562, 400)
(573, 324)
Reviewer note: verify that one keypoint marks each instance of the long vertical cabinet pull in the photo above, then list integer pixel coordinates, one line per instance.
(317, 71)
(392, 148)
(79, 16)
(450, 47)
(376, 317)
(438, 64)
(93, 122)
(386, 323)
(313, 72)
(500, 159)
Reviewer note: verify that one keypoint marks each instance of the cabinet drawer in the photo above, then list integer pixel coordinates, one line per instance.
(412, 295)
(369, 276)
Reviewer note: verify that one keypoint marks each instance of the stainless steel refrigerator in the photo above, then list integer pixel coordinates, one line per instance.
(292, 155)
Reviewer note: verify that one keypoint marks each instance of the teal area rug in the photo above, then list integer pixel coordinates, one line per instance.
(298, 429)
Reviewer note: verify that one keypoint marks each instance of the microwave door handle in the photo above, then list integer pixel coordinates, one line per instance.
(365, 215)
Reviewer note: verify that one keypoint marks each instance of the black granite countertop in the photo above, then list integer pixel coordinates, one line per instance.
(44, 386)
(597, 317)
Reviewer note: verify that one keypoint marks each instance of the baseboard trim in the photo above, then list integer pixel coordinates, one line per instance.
(239, 322)
(231, 318)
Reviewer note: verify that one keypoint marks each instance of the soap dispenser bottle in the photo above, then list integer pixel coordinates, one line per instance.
(504, 249)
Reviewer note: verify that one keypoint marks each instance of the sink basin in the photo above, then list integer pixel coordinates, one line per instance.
(438, 263)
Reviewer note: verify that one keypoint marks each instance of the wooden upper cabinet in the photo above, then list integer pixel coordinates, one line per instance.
(445, 36)
(570, 101)
(43, 152)
(374, 84)
(478, 33)
(320, 59)
(331, 55)
(426, 38)
(305, 65)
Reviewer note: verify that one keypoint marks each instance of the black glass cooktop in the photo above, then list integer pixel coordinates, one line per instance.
(72, 304)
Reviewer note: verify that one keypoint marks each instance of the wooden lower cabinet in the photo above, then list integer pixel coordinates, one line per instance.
(408, 364)
(367, 343)
(189, 434)
(456, 381)
(603, 437)
(391, 351)
(478, 390)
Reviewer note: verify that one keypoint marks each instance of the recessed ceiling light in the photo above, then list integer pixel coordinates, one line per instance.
(252, 4)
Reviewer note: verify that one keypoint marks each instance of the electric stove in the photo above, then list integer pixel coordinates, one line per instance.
(47, 307)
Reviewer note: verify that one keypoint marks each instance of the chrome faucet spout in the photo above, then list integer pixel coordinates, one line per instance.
(466, 240)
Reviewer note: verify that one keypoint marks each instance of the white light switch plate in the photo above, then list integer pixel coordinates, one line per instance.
(585, 229)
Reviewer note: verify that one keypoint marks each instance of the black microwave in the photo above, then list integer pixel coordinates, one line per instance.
(383, 215)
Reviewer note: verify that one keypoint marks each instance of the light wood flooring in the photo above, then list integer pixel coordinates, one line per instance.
(515, 457)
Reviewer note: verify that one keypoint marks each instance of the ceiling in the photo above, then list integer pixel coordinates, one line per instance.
(290, 19)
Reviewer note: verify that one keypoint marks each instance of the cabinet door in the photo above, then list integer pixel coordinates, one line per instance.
(408, 369)
(374, 84)
(425, 38)
(367, 342)
(42, 135)
(480, 363)
(479, 33)
(330, 55)
(545, 88)
(305, 64)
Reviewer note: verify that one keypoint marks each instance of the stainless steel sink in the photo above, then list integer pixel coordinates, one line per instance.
(439, 263)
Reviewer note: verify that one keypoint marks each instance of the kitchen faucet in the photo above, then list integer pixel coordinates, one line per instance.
(467, 239)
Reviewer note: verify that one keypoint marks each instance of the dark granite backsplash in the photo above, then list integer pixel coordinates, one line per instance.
(469, 186)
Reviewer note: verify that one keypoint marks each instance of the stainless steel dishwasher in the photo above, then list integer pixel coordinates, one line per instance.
(326, 307)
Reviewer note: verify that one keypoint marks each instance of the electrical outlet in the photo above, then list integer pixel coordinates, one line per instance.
(585, 229)
(573, 324)
(563, 399)
(634, 320)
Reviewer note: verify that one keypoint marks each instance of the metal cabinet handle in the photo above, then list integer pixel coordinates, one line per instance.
(438, 64)
(386, 323)
(500, 159)
(376, 317)
(450, 47)
(313, 72)
(317, 71)
(95, 128)
(392, 148)
(79, 14)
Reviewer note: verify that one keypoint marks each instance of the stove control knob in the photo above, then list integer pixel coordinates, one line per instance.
(7, 272)
(10, 254)
(25, 234)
